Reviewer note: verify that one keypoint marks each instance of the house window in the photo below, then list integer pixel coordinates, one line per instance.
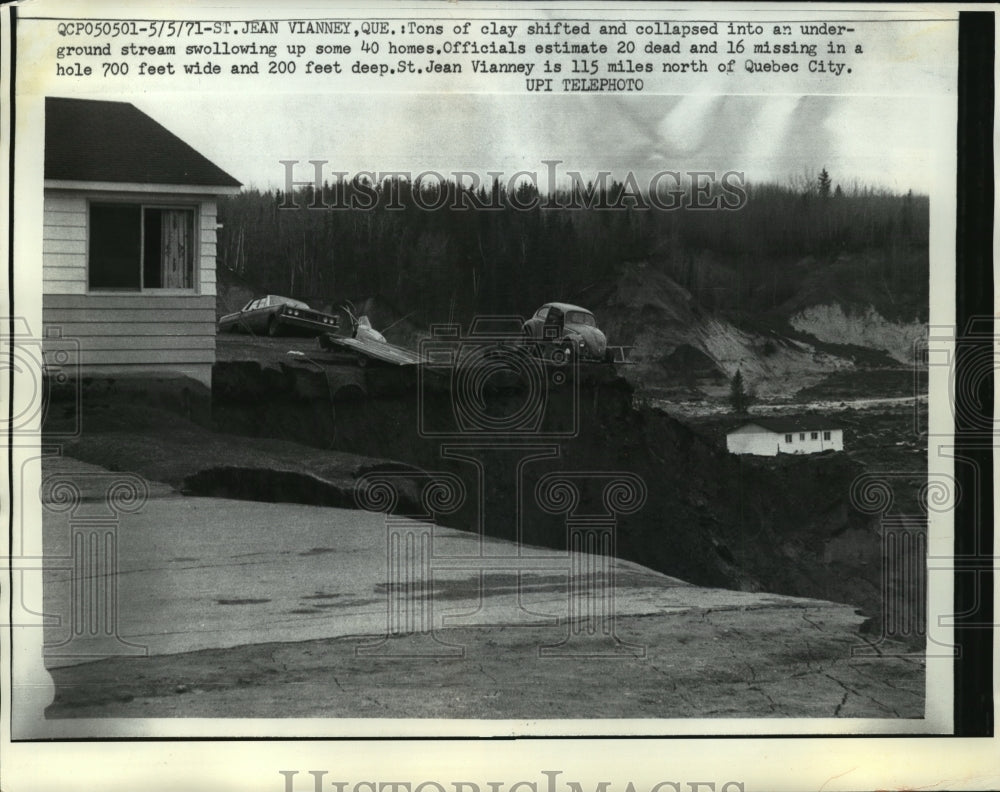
(814, 436)
(826, 435)
(788, 438)
(135, 247)
(802, 435)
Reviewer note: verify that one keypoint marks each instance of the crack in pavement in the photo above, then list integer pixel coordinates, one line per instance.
(770, 701)
(487, 674)
(915, 657)
(883, 681)
(803, 614)
(843, 701)
(861, 695)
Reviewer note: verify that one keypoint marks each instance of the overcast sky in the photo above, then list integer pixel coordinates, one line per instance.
(874, 140)
(887, 121)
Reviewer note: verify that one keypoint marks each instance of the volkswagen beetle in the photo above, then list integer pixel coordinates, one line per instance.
(569, 328)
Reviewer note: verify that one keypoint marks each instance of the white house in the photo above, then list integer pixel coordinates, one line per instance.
(773, 436)
(128, 248)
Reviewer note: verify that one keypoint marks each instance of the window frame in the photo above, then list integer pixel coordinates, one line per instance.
(814, 435)
(143, 205)
(826, 434)
(575, 317)
(788, 439)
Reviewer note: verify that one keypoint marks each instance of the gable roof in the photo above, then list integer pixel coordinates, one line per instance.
(781, 424)
(100, 141)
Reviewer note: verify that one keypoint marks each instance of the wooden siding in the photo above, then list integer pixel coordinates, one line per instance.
(132, 332)
(129, 332)
(64, 244)
(206, 234)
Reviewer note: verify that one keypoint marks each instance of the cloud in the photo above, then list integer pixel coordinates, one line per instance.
(875, 140)
(686, 127)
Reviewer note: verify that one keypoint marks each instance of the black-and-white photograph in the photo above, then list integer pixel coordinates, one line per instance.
(465, 370)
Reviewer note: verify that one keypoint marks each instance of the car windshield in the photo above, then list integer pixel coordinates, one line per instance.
(581, 318)
(274, 300)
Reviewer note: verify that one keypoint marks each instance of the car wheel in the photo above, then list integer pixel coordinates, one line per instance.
(362, 361)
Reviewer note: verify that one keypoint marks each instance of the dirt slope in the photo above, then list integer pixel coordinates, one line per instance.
(681, 347)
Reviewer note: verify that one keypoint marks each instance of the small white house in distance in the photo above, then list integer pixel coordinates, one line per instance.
(773, 436)
(128, 245)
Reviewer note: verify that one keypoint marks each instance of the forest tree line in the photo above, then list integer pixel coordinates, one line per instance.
(450, 264)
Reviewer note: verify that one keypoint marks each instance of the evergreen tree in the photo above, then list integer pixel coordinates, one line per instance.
(739, 399)
(824, 184)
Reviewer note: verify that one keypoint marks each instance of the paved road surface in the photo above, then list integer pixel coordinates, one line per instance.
(274, 610)
(199, 573)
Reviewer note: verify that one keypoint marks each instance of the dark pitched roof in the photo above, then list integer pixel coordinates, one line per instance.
(781, 424)
(87, 140)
